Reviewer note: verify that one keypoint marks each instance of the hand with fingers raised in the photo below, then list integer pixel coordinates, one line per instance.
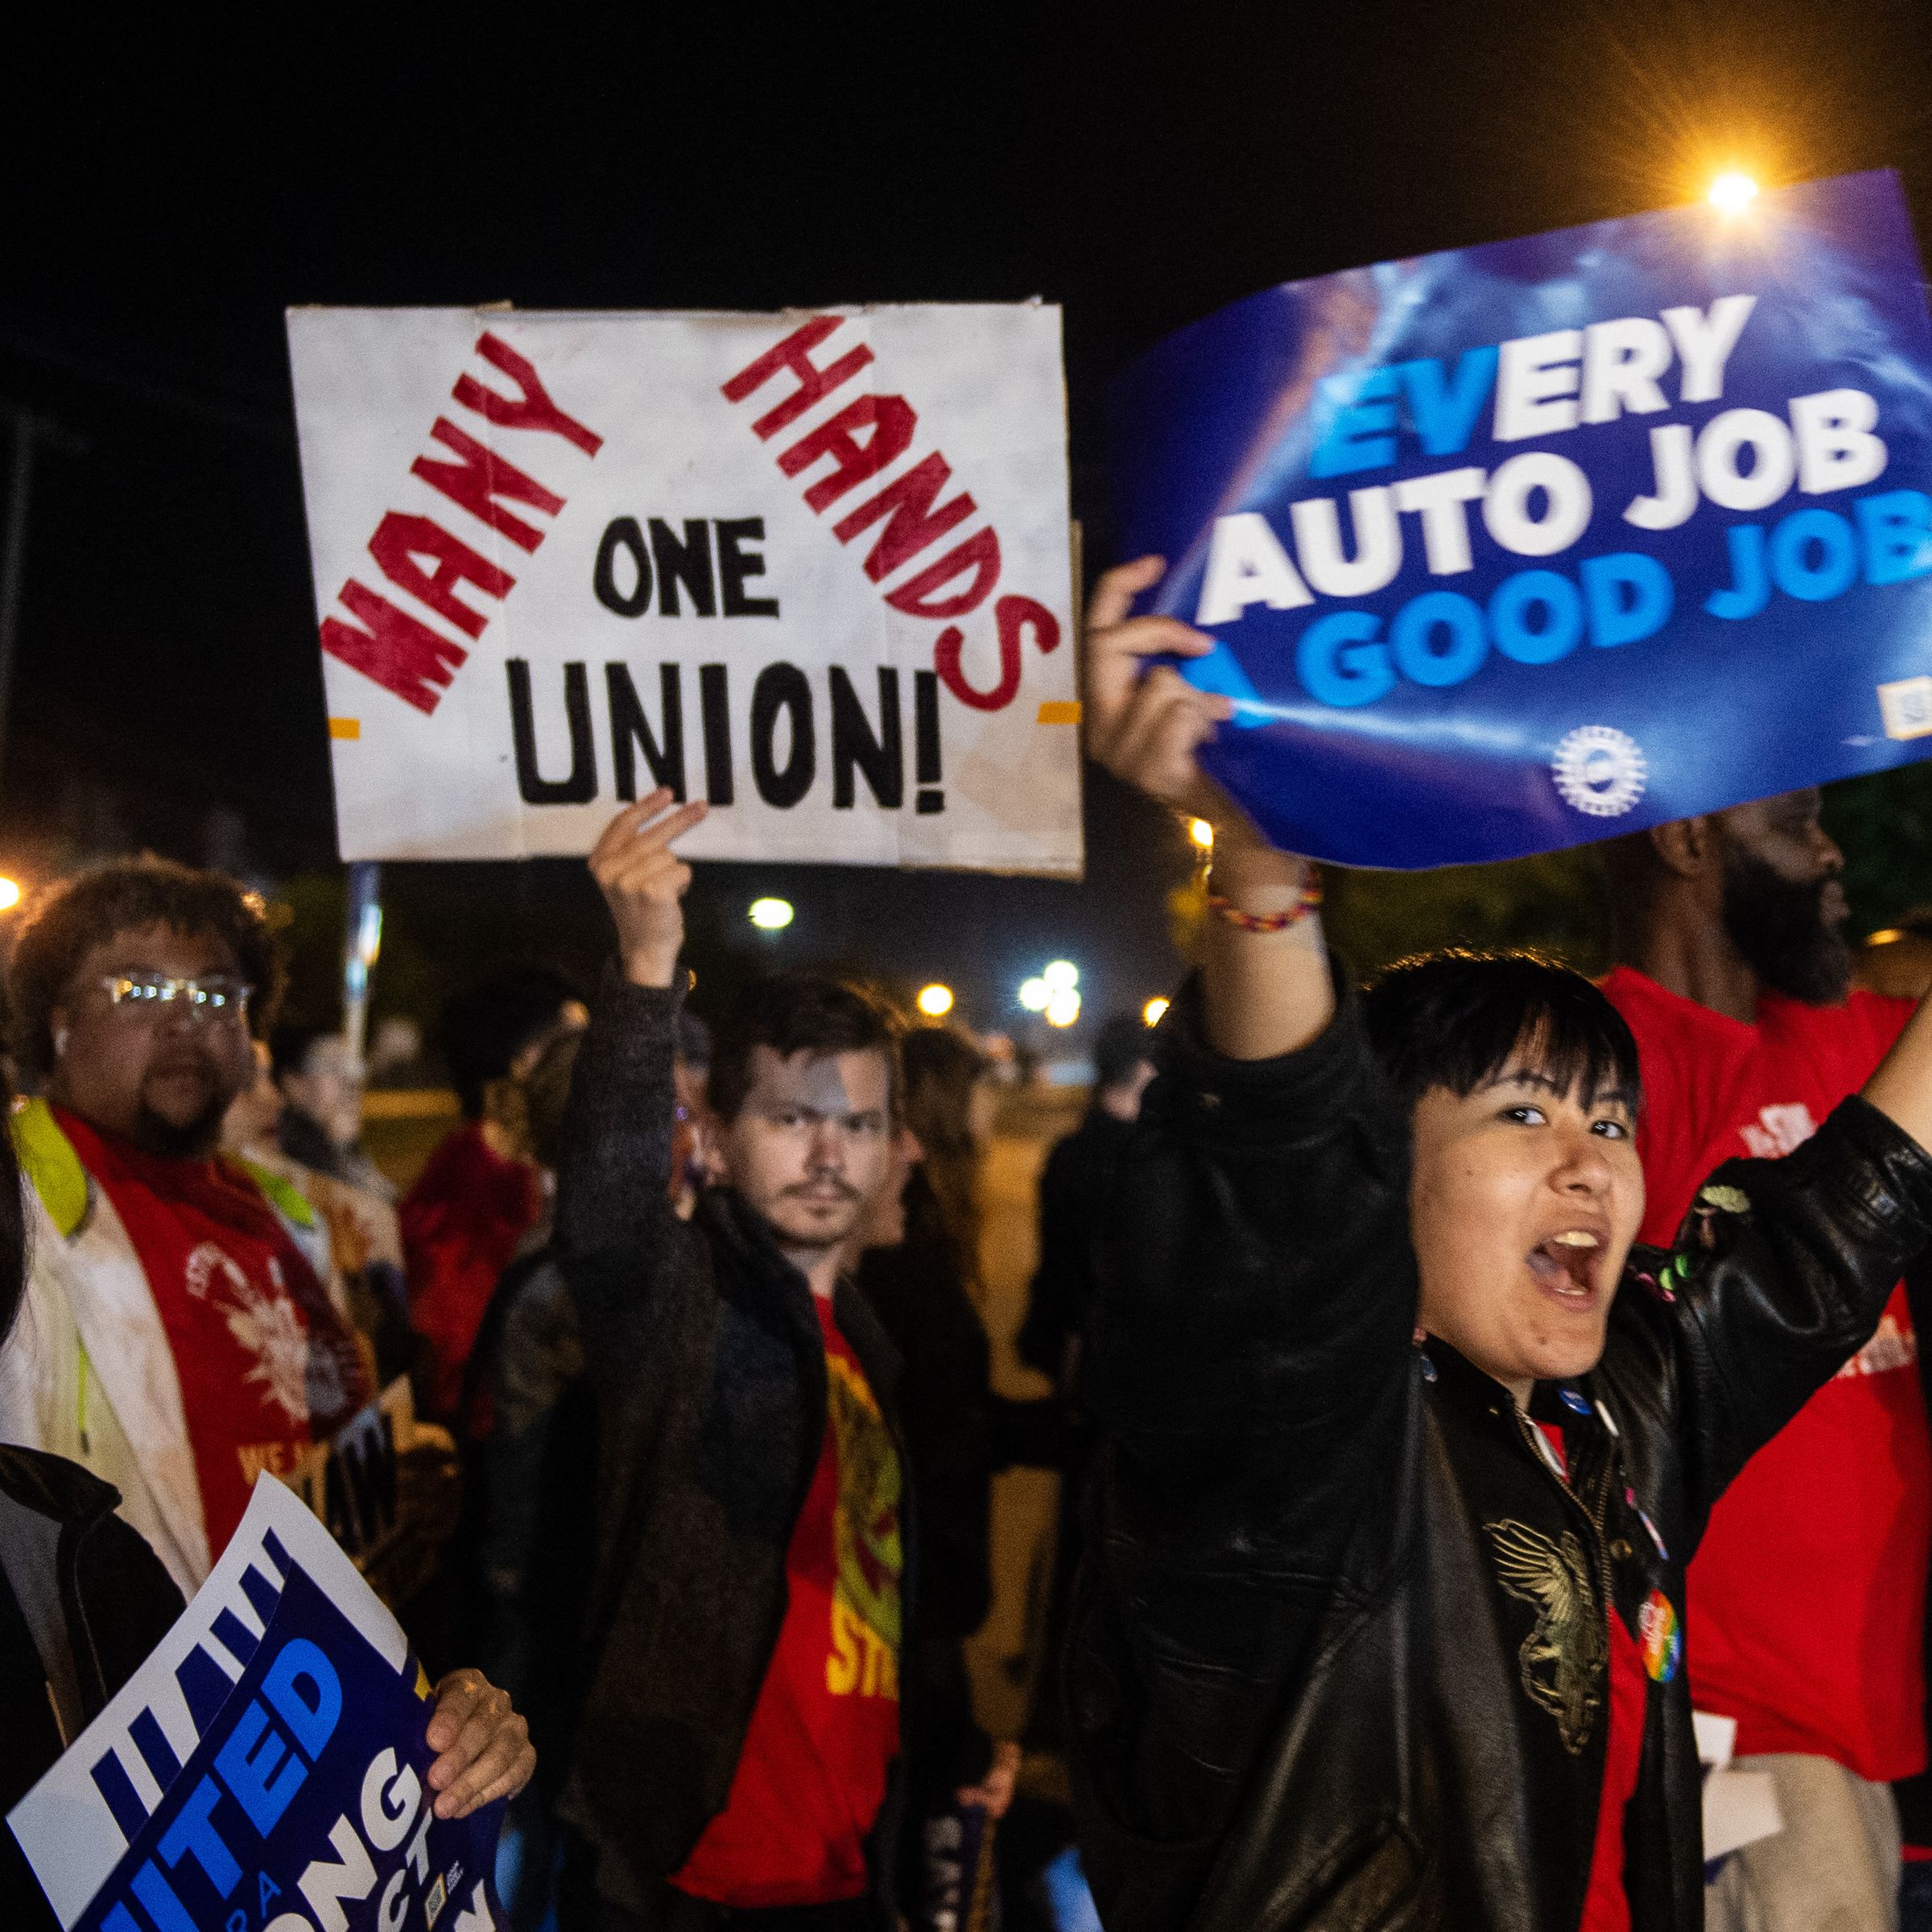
(484, 1747)
(644, 882)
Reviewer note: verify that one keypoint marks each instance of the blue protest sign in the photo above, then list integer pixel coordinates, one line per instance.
(305, 1806)
(1515, 547)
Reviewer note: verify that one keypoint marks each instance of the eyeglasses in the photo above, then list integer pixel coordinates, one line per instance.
(140, 995)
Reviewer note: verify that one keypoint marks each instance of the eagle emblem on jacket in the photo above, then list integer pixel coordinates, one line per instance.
(1563, 1657)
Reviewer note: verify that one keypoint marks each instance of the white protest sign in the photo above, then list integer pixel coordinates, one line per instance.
(812, 566)
(75, 1823)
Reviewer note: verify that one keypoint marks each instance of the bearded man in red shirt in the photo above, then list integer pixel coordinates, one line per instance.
(176, 1339)
(1808, 1593)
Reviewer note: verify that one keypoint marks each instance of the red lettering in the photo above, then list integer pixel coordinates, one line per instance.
(531, 410)
(400, 540)
(400, 652)
(1009, 615)
(813, 382)
(890, 419)
(479, 479)
(917, 596)
(914, 523)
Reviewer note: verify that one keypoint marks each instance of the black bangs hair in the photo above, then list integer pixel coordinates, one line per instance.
(1457, 1019)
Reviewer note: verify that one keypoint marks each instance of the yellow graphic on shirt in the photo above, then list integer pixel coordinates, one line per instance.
(864, 1656)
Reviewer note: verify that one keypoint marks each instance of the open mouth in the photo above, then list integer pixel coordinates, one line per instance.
(1566, 1265)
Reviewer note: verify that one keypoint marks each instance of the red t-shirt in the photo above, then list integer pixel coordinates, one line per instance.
(462, 1222)
(265, 1364)
(1606, 1899)
(812, 1776)
(1808, 1593)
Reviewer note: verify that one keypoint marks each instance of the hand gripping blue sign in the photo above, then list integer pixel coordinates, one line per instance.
(1516, 546)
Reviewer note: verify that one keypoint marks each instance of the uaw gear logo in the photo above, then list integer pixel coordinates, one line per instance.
(1599, 771)
(298, 1377)
(1563, 1657)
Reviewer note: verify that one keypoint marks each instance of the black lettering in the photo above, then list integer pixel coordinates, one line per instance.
(925, 742)
(714, 708)
(735, 565)
(783, 687)
(629, 730)
(581, 788)
(854, 749)
(688, 564)
(622, 534)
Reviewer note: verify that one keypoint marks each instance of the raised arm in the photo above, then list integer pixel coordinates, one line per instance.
(615, 1169)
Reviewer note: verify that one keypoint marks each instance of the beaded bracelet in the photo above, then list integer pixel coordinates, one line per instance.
(1306, 901)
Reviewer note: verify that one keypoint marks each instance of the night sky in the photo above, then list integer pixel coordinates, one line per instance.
(165, 193)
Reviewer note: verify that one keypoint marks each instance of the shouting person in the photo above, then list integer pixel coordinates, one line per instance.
(176, 1339)
(735, 1758)
(1408, 1444)
(1809, 1589)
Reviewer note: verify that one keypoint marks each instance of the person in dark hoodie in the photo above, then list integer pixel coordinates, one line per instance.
(737, 1757)
(84, 1599)
(1408, 1445)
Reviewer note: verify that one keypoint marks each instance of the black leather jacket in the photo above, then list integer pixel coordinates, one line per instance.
(1341, 1660)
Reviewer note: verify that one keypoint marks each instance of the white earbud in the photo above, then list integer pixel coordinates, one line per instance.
(60, 1041)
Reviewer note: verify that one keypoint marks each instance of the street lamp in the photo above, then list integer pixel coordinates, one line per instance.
(1034, 994)
(9, 894)
(771, 915)
(1063, 975)
(1064, 1007)
(1733, 192)
(1202, 833)
(936, 1001)
(1151, 1012)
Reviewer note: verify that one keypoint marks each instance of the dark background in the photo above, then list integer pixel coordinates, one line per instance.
(165, 190)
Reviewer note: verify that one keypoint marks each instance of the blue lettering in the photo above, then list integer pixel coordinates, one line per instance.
(1557, 631)
(251, 1773)
(1340, 662)
(1897, 526)
(1358, 412)
(193, 1831)
(154, 1891)
(1613, 620)
(1750, 588)
(312, 1718)
(1791, 568)
(1467, 644)
(1444, 414)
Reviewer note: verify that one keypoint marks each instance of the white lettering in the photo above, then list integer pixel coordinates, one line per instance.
(1533, 374)
(325, 1885)
(1246, 565)
(1622, 361)
(1836, 449)
(1705, 342)
(1440, 499)
(387, 1816)
(1378, 543)
(1566, 509)
(1676, 482)
(1774, 461)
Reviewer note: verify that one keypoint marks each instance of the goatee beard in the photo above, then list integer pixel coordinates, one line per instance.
(1779, 927)
(166, 1141)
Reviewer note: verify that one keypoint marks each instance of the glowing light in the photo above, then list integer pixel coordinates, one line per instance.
(1202, 833)
(936, 1001)
(1063, 1008)
(1063, 975)
(9, 894)
(1890, 936)
(1732, 193)
(1152, 1011)
(1034, 994)
(771, 915)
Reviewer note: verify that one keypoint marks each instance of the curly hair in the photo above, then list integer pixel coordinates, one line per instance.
(123, 896)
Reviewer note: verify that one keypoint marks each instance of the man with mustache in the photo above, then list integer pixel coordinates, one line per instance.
(1808, 1593)
(737, 1760)
(175, 1339)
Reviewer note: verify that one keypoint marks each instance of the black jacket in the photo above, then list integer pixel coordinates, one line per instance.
(83, 1600)
(1341, 1660)
(708, 1365)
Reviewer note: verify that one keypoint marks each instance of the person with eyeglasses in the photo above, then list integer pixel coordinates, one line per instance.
(174, 1340)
